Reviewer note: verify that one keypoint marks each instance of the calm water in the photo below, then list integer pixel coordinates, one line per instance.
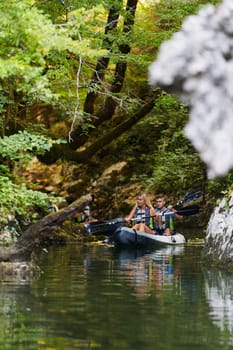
(103, 298)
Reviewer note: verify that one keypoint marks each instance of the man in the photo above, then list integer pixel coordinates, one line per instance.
(164, 221)
(85, 216)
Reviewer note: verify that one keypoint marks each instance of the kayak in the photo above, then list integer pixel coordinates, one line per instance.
(108, 227)
(130, 237)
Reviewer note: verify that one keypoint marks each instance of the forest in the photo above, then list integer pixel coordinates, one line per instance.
(78, 116)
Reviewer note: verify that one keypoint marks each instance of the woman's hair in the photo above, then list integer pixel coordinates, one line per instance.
(146, 199)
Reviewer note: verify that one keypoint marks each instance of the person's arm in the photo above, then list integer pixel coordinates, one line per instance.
(177, 216)
(131, 215)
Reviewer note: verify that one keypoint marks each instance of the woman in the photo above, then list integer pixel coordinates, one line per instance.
(143, 214)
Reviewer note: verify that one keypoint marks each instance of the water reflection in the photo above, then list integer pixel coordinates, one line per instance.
(106, 298)
(219, 294)
(18, 272)
(150, 273)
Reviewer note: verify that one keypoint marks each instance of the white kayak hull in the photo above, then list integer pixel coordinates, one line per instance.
(128, 236)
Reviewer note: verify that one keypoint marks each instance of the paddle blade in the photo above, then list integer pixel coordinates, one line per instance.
(191, 197)
(188, 211)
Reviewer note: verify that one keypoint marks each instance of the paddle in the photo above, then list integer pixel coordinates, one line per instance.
(192, 196)
(108, 226)
(188, 211)
(111, 225)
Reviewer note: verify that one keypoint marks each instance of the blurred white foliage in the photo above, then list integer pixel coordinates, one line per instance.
(197, 65)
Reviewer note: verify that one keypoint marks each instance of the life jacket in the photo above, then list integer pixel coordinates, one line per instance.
(84, 216)
(143, 216)
(167, 217)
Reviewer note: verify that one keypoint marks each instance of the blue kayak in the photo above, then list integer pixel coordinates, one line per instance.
(130, 237)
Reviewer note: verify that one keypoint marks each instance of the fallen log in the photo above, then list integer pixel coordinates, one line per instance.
(36, 234)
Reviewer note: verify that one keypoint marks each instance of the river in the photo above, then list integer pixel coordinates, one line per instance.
(99, 297)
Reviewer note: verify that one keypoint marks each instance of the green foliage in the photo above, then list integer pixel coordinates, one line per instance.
(162, 158)
(19, 148)
(160, 19)
(172, 13)
(172, 172)
(24, 46)
(220, 187)
(26, 40)
(24, 145)
(59, 10)
(20, 200)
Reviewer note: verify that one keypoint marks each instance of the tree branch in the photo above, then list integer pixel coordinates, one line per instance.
(37, 233)
(115, 132)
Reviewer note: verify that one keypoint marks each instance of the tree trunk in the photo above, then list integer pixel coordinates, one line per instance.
(35, 236)
(114, 133)
(102, 63)
(85, 156)
(107, 111)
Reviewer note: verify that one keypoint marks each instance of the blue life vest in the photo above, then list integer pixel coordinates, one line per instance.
(167, 217)
(143, 215)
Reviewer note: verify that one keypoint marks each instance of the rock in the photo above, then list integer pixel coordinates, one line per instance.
(219, 237)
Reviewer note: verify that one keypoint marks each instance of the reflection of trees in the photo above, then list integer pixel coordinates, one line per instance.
(219, 293)
(14, 304)
(97, 297)
(40, 312)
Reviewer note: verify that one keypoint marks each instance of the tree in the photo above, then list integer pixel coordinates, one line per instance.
(38, 235)
(81, 71)
(25, 49)
(105, 100)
